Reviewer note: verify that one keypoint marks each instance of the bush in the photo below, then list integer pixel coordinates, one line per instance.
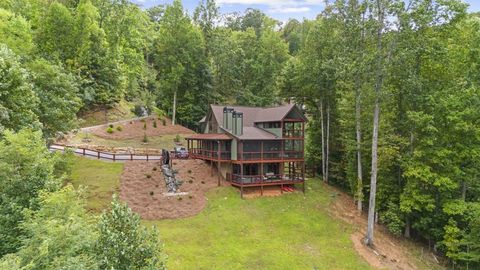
(145, 138)
(189, 171)
(139, 110)
(110, 125)
(164, 122)
(151, 193)
(179, 198)
(119, 128)
(155, 123)
(145, 126)
(109, 130)
(190, 181)
(148, 176)
(154, 168)
(177, 138)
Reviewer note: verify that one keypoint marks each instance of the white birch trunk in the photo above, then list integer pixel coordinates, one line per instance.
(327, 144)
(358, 127)
(376, 119)
(323, 140)
(174, 107)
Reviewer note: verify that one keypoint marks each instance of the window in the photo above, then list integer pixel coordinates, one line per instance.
(271, 125)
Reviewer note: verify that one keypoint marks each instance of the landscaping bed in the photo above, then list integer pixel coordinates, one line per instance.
(150, 126)
(143, 189)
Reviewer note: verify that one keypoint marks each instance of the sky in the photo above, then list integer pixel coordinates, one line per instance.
(278, 9)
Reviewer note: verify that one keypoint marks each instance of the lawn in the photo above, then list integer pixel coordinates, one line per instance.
(101, 179)
(287, 232)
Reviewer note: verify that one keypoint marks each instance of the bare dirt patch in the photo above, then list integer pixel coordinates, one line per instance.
(139, 128)
(142, 187)
(389, 251)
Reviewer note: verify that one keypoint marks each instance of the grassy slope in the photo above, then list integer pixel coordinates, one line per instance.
(101, 178)
(120, 111)
(287, 232)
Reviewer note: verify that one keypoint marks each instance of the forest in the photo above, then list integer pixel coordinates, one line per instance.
(391, 89)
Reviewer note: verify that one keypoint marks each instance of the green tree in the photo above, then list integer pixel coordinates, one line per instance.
(17, 99)
(15, 32)
(57, 91)
(26, 168)
(124, 244)
(61, 235)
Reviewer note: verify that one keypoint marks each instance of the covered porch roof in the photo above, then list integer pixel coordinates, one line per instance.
(209, 136)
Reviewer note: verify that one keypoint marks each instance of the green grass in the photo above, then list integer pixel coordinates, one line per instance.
(158, 142)
(287, 232)
(101, 179)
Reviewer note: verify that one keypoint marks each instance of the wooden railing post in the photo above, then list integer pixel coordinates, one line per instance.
(113, 157)
(83, 151)
(131, 156)
(147, 156)
(98, 155)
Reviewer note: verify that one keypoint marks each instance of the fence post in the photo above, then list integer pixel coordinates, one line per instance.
(131, 156)
(113, 157)
(98, 155)
(147, 156)
(83, 151)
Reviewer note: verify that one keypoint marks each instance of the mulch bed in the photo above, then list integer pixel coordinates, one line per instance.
(142, 187)
(135, 129)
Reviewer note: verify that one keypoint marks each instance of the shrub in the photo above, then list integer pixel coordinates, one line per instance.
(179, 198)
(190, 181)
(145, 138)
(164, 122)
(151, 193)
(154, 168)
(119, 128)
(109, 130)
(189, 171)
(145, 126)
(148, 176)
(110, 125)
(155, 123)
(190, 196)
(177, 138)
(203, 182)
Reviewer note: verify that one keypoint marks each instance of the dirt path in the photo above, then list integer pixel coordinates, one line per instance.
(142, 187)
(389, 252)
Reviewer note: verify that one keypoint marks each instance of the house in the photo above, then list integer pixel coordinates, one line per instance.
(253, 146)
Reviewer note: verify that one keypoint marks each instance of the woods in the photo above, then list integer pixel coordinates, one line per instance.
(391, 88)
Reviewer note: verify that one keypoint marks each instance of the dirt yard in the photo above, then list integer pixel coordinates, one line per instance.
(137, 129)
(142, 187)
(389, 252)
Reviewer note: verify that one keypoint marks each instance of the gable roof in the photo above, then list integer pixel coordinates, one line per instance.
(252, 115)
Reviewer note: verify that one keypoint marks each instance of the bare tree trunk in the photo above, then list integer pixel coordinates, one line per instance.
(359, 146)
(323, 140)
(407, 227)
(376, 120)
(174, 107)
(327, 144)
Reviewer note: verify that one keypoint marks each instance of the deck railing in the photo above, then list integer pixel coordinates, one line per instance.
(271, 155)
(266, 179)
(209, 154)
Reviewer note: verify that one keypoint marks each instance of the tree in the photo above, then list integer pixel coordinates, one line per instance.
(61, 234)
(15, 32)
(17, 99)
(55, 36)
(179, 60)
(58, 92)
(124, 244)
(26, 168)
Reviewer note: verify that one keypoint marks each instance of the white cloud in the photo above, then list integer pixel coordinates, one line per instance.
(289, 9)
(279, 6)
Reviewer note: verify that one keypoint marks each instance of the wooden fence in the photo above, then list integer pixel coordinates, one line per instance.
(105, 156)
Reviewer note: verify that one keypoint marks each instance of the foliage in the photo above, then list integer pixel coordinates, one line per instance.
(124, 244)
(17, 98)
(26, 168)
(109, 130)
